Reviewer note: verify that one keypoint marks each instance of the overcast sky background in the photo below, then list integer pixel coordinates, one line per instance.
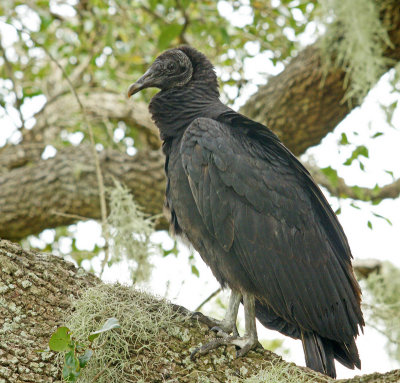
(172, 277)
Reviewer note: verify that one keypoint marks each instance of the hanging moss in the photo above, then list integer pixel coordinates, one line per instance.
(382, 305)
(130, 232)
(355, 40)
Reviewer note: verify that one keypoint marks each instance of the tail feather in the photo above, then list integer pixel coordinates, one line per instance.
(319, 354)
(346, 354)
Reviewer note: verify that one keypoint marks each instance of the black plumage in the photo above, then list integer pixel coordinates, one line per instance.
(255, 215)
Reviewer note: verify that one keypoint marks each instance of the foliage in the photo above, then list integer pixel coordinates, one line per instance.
(103, 44)
(77, 355)
(382, 305)
(130, 232)
(357, 39)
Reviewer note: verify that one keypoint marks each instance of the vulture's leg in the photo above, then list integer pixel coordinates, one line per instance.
(250, 338)
(227, 325)
(244, 343)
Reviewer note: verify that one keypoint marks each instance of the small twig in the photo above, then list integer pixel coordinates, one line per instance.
(67, 215)
(182, 38)
(216, 292)
(153, 13)
(100, 180)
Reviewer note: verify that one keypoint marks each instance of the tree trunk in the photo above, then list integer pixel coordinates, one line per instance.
(37, 292)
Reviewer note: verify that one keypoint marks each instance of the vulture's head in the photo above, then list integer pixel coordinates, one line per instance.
(176, 68)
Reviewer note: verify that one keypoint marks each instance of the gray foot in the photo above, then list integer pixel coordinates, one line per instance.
(222, 328)
(243, 345)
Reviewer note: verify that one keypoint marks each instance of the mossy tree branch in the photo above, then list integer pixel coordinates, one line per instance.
(305, 101)
(38, 291)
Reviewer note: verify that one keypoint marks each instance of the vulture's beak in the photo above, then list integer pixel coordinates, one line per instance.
(146, 81)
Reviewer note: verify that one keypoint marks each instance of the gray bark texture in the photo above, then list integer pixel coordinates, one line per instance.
(37, 291)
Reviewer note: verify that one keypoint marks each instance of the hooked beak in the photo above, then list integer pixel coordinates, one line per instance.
(145, 81)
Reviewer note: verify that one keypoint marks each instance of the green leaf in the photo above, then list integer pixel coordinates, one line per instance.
(344, 140)
(195, 271)
(84, 359)
(377, 134)
(110, 324)
(369, 224)
(60, 339)
(361, 150)
(71, 370)
(382, 217)
(167, 34)
(390, 173)
(331, 174)
(225, 36)
(174, 250)
(389, 110)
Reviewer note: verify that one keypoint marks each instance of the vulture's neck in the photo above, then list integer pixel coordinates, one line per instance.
(173, 110)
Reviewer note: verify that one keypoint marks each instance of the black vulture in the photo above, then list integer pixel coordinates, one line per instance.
(255, 215)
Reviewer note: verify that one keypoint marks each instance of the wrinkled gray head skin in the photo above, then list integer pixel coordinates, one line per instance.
(171, 69)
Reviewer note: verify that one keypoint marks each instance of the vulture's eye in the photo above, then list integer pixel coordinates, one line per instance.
(171, 66)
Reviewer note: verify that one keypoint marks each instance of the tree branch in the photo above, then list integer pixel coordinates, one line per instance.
(37, 293)
(100, 105)
(67, 184)
(340, 189)
(304, 102)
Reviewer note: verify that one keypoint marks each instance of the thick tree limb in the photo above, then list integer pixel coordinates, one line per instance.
(302, 105)
(37, 197)
(37, 291)
(63, 112)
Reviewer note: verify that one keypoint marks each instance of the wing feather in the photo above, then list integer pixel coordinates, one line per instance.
(263, 208)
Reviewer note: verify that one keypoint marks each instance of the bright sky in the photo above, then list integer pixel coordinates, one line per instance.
(172, 277)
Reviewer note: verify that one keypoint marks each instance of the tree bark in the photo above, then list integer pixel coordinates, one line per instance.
(36, 289)
(37, 292)
(57, 191)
